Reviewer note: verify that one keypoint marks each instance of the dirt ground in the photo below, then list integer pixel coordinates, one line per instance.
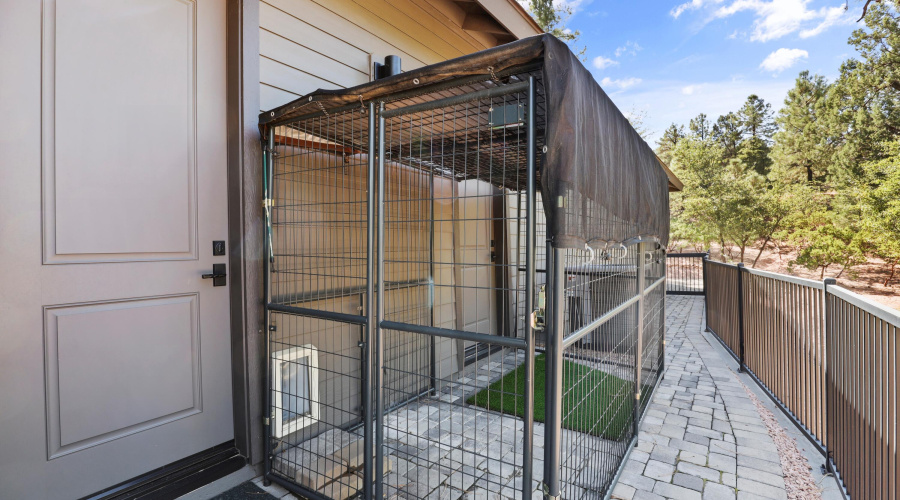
(865, 279)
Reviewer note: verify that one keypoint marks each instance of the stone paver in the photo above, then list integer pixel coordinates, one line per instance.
(705, 440)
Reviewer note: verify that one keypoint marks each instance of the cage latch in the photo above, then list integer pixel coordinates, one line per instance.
(537, 316)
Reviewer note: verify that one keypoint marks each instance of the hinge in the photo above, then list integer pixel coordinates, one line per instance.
(268, 203)
(637, 396)
(266, 420)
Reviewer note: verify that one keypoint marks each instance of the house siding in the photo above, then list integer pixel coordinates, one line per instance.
(305, 45)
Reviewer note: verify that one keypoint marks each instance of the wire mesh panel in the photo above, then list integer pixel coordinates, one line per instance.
(402, 345)
(317, 263)
(459, 427)
(600, 376)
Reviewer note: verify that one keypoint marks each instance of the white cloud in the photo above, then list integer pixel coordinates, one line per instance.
(689, 90)
(620, 84)
(783, 59)
(774, 19)
(833, 15)
(601, 62)
(631, 48)
(691, 5)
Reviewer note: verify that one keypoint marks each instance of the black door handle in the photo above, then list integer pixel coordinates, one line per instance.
(218, 275)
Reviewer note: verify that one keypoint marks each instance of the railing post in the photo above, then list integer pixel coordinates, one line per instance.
(706, 290)
(531, 204)
(269, 194)
(740, 311)
(828, 467)
(368, 443)
(556, 321)
(378, 369)
(639, 342)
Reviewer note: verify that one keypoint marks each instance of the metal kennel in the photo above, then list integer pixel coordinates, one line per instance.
(448, 315)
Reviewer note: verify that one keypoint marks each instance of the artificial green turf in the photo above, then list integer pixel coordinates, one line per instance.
(594, 401)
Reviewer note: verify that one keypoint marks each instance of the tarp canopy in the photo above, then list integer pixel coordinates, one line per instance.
(601, 184)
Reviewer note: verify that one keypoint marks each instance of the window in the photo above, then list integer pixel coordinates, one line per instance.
(295, 388)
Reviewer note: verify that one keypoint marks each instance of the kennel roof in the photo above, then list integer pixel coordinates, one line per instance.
(601, 184)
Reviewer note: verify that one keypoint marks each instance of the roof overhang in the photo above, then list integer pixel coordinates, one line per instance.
(506, 20)
(675, 183)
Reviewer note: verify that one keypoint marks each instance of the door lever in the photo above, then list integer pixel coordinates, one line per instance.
(218, 275)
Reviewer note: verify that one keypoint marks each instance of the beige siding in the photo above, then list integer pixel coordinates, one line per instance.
(311, 44)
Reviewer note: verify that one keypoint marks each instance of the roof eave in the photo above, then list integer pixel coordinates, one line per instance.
(675, 183)
(512, 16)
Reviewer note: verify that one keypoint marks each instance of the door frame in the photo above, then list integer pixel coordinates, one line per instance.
(245, 227)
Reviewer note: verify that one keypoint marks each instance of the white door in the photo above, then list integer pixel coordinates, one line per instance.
(476, 298)
(114, 353)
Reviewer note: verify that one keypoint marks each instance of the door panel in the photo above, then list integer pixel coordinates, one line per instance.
(116, 354)
(475, 273)
(119, 115)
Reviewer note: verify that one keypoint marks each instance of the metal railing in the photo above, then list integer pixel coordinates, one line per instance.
(685, 273)
(827, 357)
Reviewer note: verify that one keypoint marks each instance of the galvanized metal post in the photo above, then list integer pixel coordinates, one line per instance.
(555, 324)
(639, 343)
(268, 178)
(371, 325)
(528, 440)
(828, 467)
(379, 314)
(740, 308)
(706, 290)
(662, 334)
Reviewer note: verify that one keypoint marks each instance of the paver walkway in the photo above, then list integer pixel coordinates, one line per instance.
(702, 437)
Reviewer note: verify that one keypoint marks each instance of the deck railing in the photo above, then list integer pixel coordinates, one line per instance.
(827, 356)
(684, 273)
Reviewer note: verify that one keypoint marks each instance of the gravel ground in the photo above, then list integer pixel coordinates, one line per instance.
(798, 480)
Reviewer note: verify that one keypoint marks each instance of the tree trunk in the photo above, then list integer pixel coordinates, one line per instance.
(889, 278)
(840, 273)
(761, 251)
(822, 275)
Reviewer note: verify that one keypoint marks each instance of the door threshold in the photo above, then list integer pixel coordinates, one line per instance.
(179, 477)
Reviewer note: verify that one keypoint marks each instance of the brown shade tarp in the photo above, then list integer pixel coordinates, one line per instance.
(600, 182)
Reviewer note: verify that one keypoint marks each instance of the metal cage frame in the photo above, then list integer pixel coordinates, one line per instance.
(631, 289)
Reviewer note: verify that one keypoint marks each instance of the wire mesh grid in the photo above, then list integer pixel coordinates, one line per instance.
(454, 415)
(459, 429)
(598, 367)
(318, 263)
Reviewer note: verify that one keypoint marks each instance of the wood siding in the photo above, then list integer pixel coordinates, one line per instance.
(309, 44)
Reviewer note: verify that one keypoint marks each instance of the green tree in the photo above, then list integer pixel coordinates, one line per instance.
(757, 128)
(864, 102)
(803, 147)
(757, 119)
(666, 144)
(825, 241)
(727, 132)
(700, 127)
(879, 201)
(552, 18)
(721, 198)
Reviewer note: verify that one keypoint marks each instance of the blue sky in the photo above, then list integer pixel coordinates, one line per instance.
(674, 59)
